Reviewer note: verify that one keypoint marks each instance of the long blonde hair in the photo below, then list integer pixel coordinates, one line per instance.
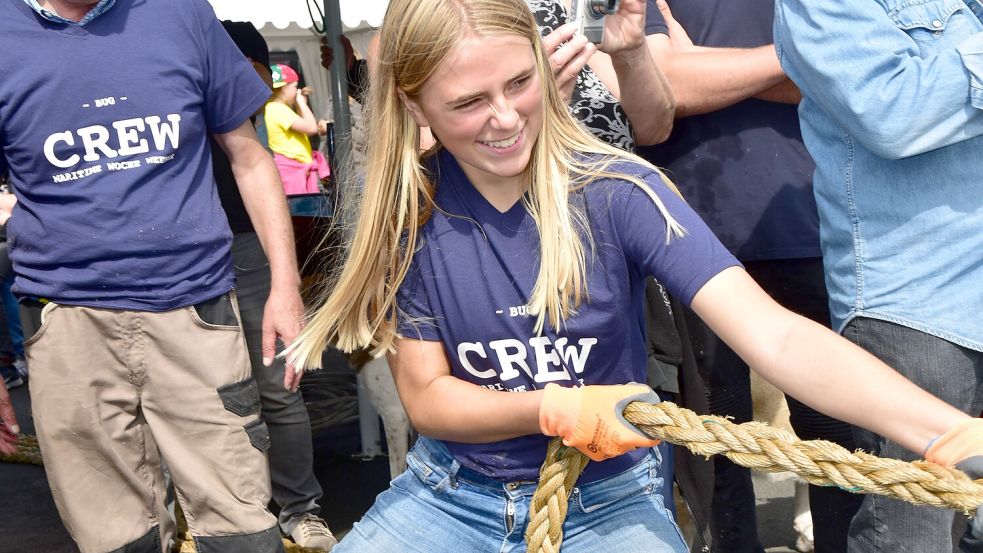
(360, 310)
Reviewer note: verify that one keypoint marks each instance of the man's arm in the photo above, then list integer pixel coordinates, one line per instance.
(707, 79)
(898, 97)
(628, 69)
(262, 193)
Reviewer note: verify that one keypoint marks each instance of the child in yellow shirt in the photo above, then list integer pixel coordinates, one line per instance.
(289, 121)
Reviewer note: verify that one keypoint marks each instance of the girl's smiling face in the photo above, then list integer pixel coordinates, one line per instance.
(485, 105)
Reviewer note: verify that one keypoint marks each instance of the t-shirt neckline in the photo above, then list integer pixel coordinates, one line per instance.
(473, 198)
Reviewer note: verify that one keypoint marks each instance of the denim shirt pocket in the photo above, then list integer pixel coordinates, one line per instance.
(934, 24)
(944, 24)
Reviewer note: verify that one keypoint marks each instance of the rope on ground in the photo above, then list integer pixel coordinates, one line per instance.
(28, 452)
(758, 446)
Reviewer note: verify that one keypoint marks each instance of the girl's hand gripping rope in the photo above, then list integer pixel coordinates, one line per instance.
(591, 419)
(962, 447)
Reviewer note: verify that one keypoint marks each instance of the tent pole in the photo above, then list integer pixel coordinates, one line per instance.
(339, 93)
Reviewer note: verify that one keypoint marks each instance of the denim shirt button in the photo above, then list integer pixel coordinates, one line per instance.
(937, 24)
(512, 486)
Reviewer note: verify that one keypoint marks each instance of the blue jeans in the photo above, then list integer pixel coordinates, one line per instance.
(953, 374)
(437, 506)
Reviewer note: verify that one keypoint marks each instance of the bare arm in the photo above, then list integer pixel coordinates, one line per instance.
(628, 69)
(818, 367)
(445, 407)
(706, 79)
(262, 194)
(306, 123)
(784, 93)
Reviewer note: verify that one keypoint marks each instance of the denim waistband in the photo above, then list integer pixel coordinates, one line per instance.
(435, 454)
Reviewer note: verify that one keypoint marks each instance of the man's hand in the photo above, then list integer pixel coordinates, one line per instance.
(8, 423)
(962, 447)
(678, 37)
(7, 203)
(283, 318)
(327, 52)
(624, 30)
(568, 55)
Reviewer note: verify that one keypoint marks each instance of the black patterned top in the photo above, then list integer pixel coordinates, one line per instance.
(592, 103)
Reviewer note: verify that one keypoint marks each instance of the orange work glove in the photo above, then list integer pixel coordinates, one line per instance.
(962, 447)
(591, 418)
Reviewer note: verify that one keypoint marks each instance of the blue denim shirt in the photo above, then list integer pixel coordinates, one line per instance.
(891, 113)
(95, 12)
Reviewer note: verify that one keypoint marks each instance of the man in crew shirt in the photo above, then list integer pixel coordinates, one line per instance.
(122, 255)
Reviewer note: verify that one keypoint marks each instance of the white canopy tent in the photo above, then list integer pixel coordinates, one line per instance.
(355, 14)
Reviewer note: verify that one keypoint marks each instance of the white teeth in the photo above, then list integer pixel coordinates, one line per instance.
(503, 143)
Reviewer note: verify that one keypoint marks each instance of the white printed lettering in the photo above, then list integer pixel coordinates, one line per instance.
(507, 360)
(545, 358)
(157, 160)
(162, 132)
(49, 150)
(75, 175)
(119, 165)
(573, 355)
(553, 359)
(462, 354)
(93, 138)
(130, 142)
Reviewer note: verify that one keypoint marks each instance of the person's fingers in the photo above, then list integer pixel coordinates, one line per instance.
(7, 416)
(291, 377)
(8, 423)
(269, 344)
(576, 64)
(327, 54)
(558, 36)
(565, 58)
(8, 447)
(671, 22)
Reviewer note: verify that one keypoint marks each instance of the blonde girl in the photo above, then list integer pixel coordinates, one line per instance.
(503, 273)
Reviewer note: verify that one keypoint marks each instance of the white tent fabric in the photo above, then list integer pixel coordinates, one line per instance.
(355, 14)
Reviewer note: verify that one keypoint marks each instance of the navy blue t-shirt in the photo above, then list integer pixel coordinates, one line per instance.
(473, 273)
(743, 168)
(105, 131)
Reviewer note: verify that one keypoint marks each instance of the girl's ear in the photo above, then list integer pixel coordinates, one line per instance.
(414, 109)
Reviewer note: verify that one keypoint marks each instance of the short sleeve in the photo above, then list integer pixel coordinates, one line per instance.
(233, 90)
(684, 264)
(415, 318)
(654, 22)
(279, 115)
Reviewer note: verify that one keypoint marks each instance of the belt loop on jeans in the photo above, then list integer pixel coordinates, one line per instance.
(452, 473)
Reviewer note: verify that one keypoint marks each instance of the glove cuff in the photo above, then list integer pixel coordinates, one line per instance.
(559, 409)
(956, 444)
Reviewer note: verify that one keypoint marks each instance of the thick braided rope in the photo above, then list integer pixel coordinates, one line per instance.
(548, 509)
(758, 446)
(28, 452)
